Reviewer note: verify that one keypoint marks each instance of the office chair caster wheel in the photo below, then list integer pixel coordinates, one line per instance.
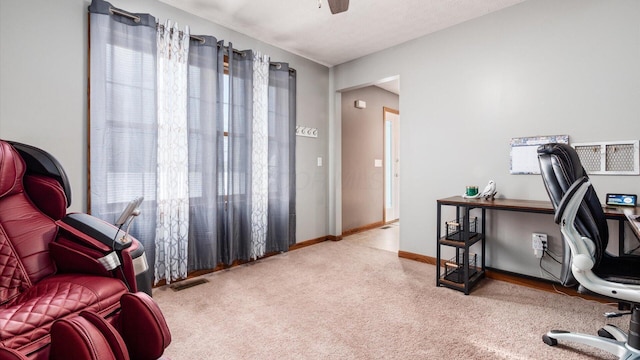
(549, 340)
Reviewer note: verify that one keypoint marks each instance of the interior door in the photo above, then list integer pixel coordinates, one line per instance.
(391, 164)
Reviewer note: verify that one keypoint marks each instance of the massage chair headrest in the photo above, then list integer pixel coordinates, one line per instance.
(40, 162)
(12, 170)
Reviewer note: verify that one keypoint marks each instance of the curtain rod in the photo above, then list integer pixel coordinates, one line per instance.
(113, 10)
(235, 51)
(202, 40)
(279, 66)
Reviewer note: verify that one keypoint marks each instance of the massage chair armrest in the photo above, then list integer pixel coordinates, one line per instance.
(83, 240)
(95, 230)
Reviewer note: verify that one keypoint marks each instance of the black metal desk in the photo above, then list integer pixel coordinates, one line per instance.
(463, 206)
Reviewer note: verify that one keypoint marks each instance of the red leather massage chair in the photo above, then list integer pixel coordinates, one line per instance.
(57, 299)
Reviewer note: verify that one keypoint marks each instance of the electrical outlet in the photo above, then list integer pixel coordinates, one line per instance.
(536, 243)
(539, 244)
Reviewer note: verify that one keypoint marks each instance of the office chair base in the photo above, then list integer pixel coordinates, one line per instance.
(618, 348)
(613, 332)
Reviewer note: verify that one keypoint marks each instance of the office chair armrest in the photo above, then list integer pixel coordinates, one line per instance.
(583, 262)
(568, 209)
(562, 207)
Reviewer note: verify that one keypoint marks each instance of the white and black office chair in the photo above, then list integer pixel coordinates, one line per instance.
(585, 233)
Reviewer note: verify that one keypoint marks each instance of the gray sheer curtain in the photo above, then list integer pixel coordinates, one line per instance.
(282, 145)
(237, 234)
(293, 110)
(123, 118)
(206, 138)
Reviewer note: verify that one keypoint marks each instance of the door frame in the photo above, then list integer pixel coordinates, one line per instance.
(395, 191)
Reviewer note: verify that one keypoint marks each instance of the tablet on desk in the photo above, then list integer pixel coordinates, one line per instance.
(621, 200)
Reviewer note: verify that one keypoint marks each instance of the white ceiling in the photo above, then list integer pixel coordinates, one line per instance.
(302, 28)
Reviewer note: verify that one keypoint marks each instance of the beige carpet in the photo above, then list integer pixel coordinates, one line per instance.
(341, 300)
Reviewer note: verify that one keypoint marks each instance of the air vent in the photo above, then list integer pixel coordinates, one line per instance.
(187, 284)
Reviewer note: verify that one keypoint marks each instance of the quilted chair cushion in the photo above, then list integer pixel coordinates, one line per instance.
(13, 278)
(26, 321)
(25, 232)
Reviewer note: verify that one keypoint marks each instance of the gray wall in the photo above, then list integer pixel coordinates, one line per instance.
(362, 144)
(543, 67)
(43, 92)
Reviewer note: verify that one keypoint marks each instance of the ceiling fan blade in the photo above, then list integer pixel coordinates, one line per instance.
(338, 6)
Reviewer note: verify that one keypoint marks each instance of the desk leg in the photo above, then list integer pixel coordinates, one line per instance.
(484, 239)
(438, 234)
(465, 255)
(621, 237)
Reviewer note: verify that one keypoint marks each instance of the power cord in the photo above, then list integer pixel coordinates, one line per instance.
(542, 268)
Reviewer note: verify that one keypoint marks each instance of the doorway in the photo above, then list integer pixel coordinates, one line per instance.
(362, 155)
(391, 120)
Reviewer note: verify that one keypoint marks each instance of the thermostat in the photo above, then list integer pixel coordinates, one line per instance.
(621, 200)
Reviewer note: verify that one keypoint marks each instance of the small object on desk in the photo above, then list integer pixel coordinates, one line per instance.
(489, 191)
(621, 200)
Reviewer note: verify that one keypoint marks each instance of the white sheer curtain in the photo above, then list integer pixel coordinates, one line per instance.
(260, 155)
(172, 221)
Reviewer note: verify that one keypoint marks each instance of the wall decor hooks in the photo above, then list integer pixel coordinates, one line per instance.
(306, 131)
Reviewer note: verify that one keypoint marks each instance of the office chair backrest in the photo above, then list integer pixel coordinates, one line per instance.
(560, 167)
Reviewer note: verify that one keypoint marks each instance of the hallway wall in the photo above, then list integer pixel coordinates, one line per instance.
(362, 144)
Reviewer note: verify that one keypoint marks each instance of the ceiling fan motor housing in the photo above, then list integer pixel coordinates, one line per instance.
(338, 6)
